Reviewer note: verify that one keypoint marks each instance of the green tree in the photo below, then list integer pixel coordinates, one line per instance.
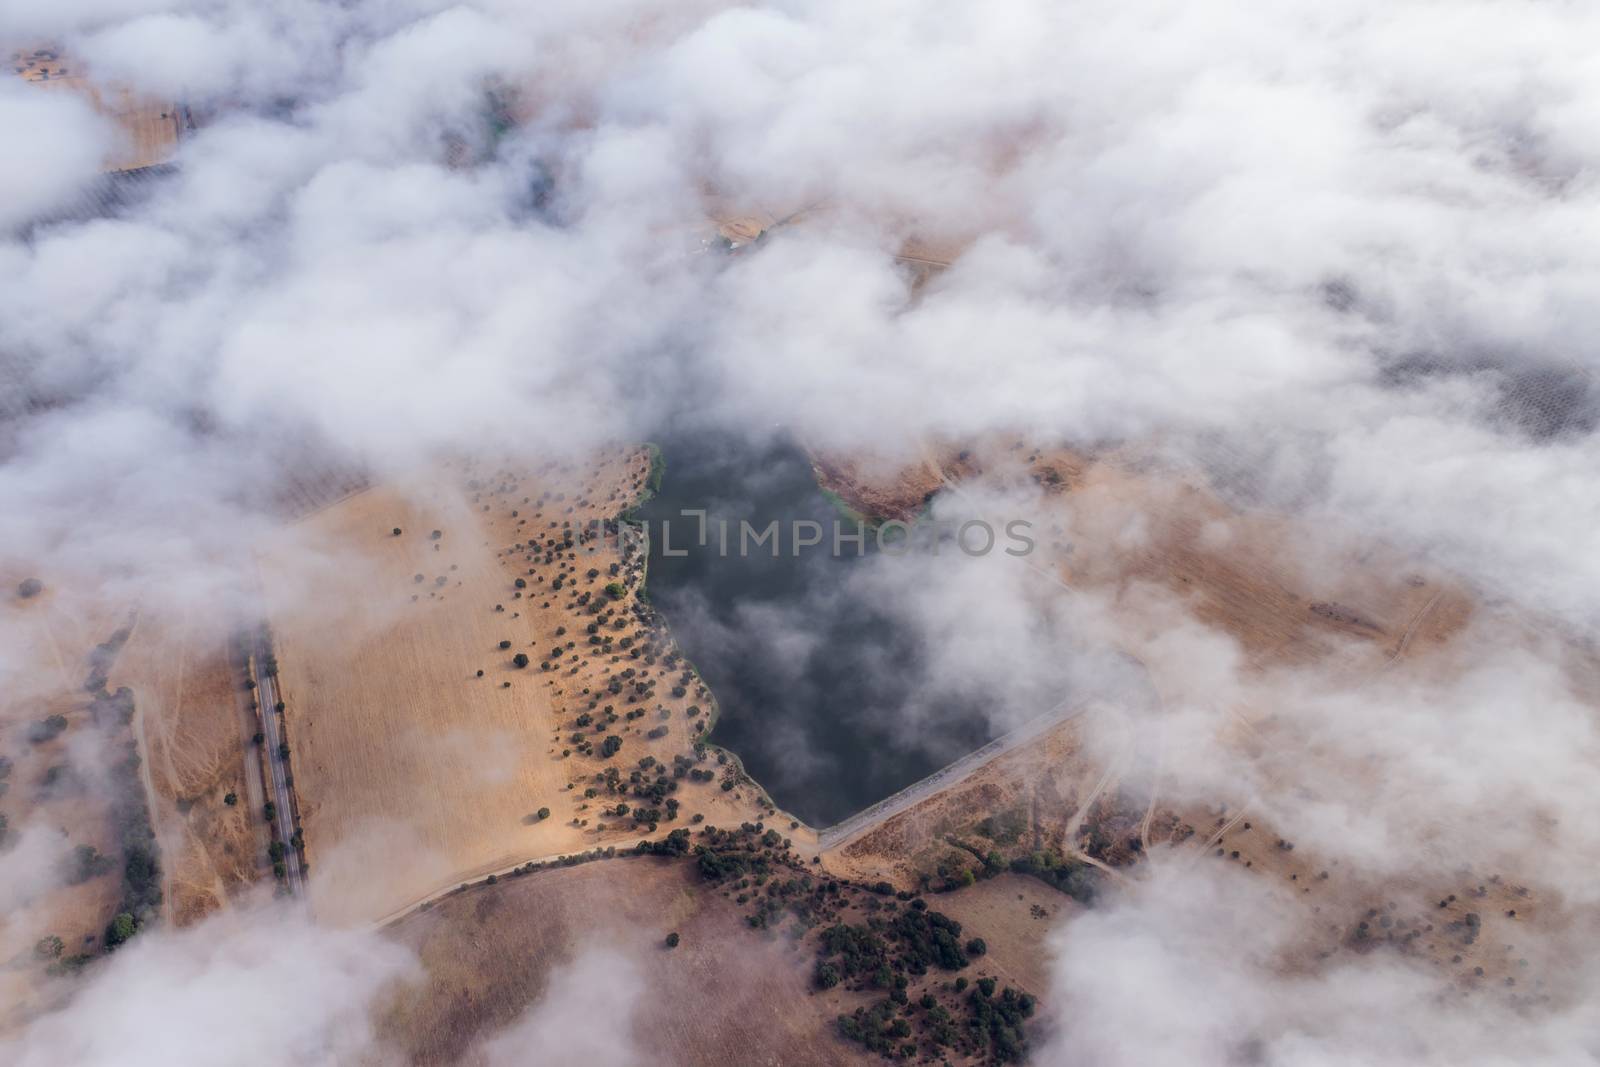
(672, 939)
(543, 814)
(121, 928)
(49, 947)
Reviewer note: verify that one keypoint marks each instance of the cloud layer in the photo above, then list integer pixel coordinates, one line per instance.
(1338, 259)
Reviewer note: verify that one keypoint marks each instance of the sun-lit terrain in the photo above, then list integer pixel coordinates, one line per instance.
(799, 534)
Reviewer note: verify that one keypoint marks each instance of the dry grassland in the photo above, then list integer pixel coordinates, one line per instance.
(52, 793)
(726, 994)
(421, 753)
(192, 729)
(729, 992)
(1351, 611)
(150, 129)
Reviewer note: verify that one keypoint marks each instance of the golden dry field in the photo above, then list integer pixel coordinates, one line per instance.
(1150, 547)
(422, 753)
(149, 129)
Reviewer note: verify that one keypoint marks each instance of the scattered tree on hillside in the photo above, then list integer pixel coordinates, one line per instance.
(120, 929)
(47, 729)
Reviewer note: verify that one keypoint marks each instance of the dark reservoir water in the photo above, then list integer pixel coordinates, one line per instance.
(822, 695)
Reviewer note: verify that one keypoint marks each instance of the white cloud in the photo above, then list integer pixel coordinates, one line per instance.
(262, 983)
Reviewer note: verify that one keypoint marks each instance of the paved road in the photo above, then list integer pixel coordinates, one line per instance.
(1125, 689)
(946, 776)
(277, 768)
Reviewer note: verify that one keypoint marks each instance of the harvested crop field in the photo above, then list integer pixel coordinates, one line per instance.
(422, 753)
(149, 129)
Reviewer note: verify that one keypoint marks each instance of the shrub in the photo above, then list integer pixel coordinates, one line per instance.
(47, 729)
(615, 590)
(49, 948)
(542, 814)
(977, 947)
(86, 863)
(30, 587)
(230, 798)
(672, 939)
(121, 928)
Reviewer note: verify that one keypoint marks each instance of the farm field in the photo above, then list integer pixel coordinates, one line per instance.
(422, 753)
(149, 129)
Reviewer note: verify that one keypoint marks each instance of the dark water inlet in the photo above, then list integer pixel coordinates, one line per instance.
(821, 693)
